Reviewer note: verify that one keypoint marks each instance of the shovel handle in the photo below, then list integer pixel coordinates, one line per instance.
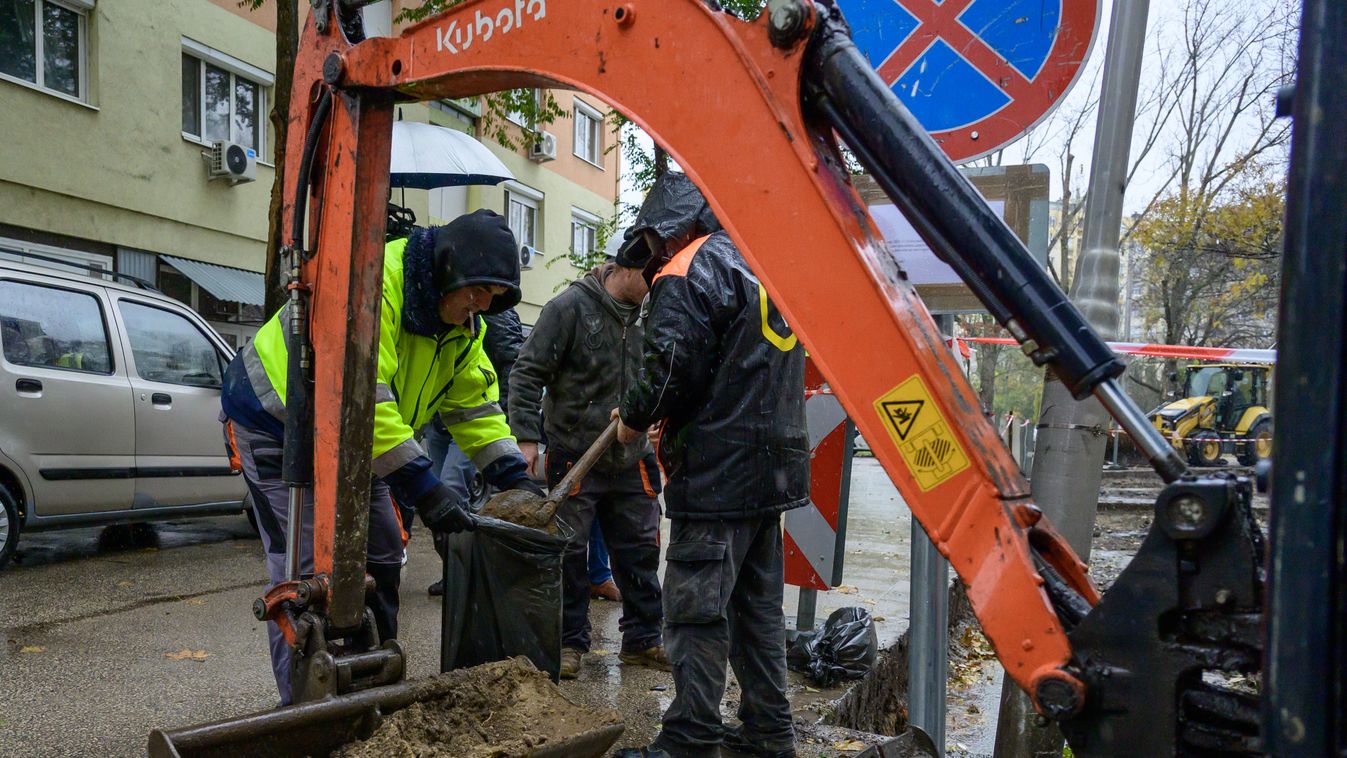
(583, 465)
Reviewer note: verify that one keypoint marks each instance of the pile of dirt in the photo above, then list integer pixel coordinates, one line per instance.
(523, 508)
(495, 710)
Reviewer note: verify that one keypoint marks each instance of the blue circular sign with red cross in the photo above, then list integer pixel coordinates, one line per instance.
(976, 73)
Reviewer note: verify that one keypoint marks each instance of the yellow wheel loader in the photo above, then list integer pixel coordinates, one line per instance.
(1220, 408)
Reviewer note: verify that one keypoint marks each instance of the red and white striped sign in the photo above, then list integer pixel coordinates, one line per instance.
(811, 548)
(1155, 350)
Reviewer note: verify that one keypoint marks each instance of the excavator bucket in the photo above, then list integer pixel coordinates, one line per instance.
(323, 727)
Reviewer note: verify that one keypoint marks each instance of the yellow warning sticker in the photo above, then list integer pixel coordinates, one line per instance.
(924, 440)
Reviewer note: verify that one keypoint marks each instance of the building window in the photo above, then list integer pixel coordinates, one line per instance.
(519, 117)
(521, 211)
(588, 133)
(222, 98)
(584, 232)
(43, 42)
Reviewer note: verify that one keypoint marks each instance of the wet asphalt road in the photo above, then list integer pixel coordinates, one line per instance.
(87, 628)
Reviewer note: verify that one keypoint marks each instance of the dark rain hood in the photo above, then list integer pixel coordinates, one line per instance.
(677, 212)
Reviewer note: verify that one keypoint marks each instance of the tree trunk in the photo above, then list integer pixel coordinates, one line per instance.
(287, 43)
(988, 355)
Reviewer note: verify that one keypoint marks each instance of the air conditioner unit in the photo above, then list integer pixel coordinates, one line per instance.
(232, 161)
(544, 147)
(528, 256)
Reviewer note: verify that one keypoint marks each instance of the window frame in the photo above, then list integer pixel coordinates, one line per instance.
(222, 357)
(81, 9)
(583, 218)
(530, 198)
(517, 118)
(103, 318)
(581, 108)
(236, 69)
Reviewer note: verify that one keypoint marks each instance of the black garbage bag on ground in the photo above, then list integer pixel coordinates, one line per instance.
(502, 596)
(844, 649)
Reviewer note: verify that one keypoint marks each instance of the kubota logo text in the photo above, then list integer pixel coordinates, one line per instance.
(485, 26)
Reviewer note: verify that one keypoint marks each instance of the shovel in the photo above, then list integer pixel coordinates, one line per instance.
(528, 509)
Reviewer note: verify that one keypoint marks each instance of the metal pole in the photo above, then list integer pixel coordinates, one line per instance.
(928, 639)
(928, 630)
(807, 609)
(1069, 450)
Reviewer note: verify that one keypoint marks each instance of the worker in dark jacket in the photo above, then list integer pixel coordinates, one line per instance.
(725, 373)
(585, 350)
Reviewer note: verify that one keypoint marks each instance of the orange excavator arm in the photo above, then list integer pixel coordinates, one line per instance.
(780, 91)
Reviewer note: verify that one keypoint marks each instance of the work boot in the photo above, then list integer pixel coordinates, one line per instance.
(736, 744)
(570, 662)
(436, 589)
(606, 591)
(651, 657)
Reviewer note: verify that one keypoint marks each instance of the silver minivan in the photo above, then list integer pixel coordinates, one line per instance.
(109, 405)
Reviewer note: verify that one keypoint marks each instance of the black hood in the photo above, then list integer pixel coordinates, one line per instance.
(677, 213)
(477, 248)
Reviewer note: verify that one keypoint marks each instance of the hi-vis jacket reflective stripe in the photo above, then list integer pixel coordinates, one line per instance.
(417, 378)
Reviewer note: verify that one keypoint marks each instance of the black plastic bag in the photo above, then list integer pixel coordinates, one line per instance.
(502, 596)
(845, 648)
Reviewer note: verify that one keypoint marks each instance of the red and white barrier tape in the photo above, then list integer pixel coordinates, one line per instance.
(1155, 350)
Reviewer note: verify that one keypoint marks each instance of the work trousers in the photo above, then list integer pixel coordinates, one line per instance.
(724, 583)
(260, 456)
(625, 508)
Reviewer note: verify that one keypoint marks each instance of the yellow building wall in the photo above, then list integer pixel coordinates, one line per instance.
(117, 170)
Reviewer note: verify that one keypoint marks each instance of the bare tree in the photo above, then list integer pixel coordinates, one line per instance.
(1211, 231)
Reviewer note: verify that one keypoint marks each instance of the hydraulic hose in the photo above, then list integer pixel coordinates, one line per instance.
(956, 223)
(297, 450)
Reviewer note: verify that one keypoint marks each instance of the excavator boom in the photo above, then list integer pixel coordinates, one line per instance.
(779, 91)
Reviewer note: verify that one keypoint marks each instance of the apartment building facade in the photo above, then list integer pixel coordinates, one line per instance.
(109, 110)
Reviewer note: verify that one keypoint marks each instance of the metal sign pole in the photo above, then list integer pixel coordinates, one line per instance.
(928, 641)
(928, 629)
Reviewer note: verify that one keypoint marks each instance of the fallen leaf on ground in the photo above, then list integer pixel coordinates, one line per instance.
(807, 688)
(32, 649)
(187, 655)
(195, 601)
(601, 652)
(849, 746)
(845, 589)
(125, 584)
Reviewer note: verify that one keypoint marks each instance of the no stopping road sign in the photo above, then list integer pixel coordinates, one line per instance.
(976, 73)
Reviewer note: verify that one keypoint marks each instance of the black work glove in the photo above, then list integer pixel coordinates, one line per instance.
(441, 510)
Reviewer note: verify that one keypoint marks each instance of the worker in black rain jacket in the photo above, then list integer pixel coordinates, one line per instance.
(725, 374)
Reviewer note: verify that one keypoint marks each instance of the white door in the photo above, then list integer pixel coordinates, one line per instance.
(65, 403)
(175, 381)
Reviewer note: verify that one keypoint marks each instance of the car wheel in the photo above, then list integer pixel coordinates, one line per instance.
(1259, 445)
(1204, 448)
(9, 526)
